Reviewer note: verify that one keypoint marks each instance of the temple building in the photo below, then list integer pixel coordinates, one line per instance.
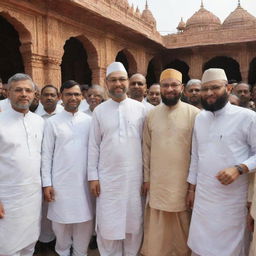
(56, 40)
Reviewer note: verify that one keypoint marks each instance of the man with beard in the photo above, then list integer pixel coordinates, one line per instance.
(154, 94)
(138, 89)
(193, 93)
(223, 151)
(242, 91)
(166, 147)
(115, 167)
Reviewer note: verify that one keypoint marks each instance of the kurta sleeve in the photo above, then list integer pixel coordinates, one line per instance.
(251, 140)
(192, 176)
(94, 149)
(48, 146)
(146, 149)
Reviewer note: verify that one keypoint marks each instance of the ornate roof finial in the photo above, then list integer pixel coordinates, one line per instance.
(239, 3)
(146, 6)
(202, 4)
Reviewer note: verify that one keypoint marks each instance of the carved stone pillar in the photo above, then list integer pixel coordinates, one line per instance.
(53, 71)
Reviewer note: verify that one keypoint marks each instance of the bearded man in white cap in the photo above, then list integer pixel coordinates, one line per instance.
(167, 139)
(223, 152)
(115, 167)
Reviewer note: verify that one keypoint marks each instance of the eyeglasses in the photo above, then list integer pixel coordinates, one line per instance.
(118, 79)
(172, 85)
(69, 94)
(213, 88)
(20, 90)
(138, 83)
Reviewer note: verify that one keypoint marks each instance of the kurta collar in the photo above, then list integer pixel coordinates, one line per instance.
(69, 114)
(172, 107)
(121, 102)
(18, 114)
(222, 110)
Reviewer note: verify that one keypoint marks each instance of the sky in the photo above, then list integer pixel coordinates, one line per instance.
(169, 12)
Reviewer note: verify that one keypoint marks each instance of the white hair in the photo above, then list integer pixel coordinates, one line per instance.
(20, 77)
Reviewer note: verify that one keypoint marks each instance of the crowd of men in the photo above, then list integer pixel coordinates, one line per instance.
(156, 171)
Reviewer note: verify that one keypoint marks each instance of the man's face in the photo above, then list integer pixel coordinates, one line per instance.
(21, 94)
(1, 92)
(254, 94)
(49, 98)
(71, 98)
(214, 95)
(5, 90)
(94, 97)
(243, 93)
(171, 90)
(193, 94)
(137, 87)
(154, 95)
(117, 83)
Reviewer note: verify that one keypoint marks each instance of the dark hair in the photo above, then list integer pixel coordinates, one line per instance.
(1, 81)
(84, 87)
(49, 86)
(68, 84)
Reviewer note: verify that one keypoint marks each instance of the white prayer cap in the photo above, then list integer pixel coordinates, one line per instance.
(115, 67)
(213, 74)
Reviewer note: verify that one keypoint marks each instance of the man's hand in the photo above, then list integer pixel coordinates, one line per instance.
(2, 212)
(145, 188)
(95, 187)
(228, 175)
(49, 194)
(250, 222)
(190, 199)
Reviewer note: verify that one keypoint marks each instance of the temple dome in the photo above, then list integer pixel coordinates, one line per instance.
(147, 15)
(181, 25)
(203, 20)
(239, 17)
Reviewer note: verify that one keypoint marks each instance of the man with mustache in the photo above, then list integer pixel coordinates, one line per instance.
(242, 91)
(223, 152)
(193, 92)
(166, 152)
(115, 167)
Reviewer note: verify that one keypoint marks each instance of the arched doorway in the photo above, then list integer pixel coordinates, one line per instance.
(151, 75)
(74, 63)
(180, 66)
(128, 61)
(252, 72)
(10, 57)
(230, 66)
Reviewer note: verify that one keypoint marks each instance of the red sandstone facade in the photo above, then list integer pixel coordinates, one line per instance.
(56, 40)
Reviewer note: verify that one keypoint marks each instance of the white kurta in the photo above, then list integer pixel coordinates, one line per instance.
(64, 166)
(45, 115)
(5, 104)
(20, 183)
(83, 105)
(221, 139)
(147, 105)
(115, 159)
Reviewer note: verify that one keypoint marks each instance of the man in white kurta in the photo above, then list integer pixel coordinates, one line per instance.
(223, 151)
(115, 167)
(49, 98)
(20, 184)
(64, 174)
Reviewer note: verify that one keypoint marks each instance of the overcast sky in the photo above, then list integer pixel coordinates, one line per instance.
(169, 12)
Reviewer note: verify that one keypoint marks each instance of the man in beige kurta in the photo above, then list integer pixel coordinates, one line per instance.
(167, 143)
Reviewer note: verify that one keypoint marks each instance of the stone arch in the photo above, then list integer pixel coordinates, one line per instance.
(15, 46)
(252, 72)
(153, 71)
(78, 60)
(181, 66)
(230, 65)
(128, 60)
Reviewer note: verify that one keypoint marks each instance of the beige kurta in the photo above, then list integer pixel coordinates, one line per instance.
(166, 146)
(167, 143)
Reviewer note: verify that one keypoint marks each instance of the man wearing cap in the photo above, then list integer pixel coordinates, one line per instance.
(223, 151)
(115, 167)
(166, 145)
